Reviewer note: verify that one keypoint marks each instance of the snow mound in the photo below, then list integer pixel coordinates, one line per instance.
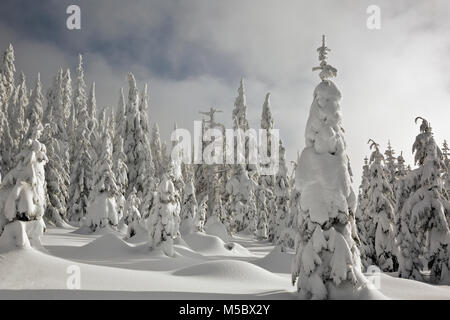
(22, 235)
(108, 245)
(276, 261)
(217, 229)
(212, 245)
(229, 270)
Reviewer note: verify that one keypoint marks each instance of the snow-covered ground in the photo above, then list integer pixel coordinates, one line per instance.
(205, 267)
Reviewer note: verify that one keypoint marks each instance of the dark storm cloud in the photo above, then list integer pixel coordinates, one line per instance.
(194, 52)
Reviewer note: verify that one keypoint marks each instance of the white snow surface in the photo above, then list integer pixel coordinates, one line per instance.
(204, 267)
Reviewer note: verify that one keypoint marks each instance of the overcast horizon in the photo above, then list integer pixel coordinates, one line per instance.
(193, 54)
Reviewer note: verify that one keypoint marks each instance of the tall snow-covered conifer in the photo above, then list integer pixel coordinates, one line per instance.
(425, 213)
(327, 255)
(8, 69)
(363, 218)
(380, 210)
(81, 170)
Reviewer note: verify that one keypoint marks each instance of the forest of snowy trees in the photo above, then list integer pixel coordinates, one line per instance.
(66, 162)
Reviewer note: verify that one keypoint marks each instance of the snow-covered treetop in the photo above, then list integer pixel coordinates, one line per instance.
(425, 145)
(35, 110)
(389, 153)
(376, 155)
(240, 109)
(327, 71)
(267, 118)
(401, 168)
(8, 68)
(79, 96)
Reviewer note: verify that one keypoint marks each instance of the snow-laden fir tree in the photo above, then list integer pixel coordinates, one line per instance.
(239, 115)
(200, 218)
(137, 146)
(17, 114)
(119, 123)
(164, 221)
(282, 195)
(120, 170)
(390, 165)
(401, 169)
(268, 181)
(8, 70)
(410, 263)
(93, 124)
(426, 210)
(189, 208)
(56, 210)
(145, 182)
(262, 213)
(102, 207)
(327, 255)
(132, 118)
(56, 174)
(132, 216)
(290, 231)
(380, 211)
(363, 218)
(35, 107)
(81, 170)
(156, 152)
(241, 189)
(23, 193)
(176, 163)
(59, 98)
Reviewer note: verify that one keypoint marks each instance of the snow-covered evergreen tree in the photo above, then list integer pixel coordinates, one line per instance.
(239, 115)
(241, 189)
(327, 255)
(262, 213)
(390, 164)
(156, 152)
(8, 70)
(132, 216)
(282, 197)
(145, 181)
(425, 211)
(17, 115)
(81, 170)
(189, 209)
(380, 210)
(56, 210)
(120, 169)
(137, 147)
(268, 181)
(22, 192)
(363, 219)
(200, 218)
(291, 227)
(102, 207)
(35, 107)
(164, 221)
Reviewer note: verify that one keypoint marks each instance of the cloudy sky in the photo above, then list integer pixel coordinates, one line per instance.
(192, 53)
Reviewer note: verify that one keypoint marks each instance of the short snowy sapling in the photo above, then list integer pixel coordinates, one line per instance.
(164, 221)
